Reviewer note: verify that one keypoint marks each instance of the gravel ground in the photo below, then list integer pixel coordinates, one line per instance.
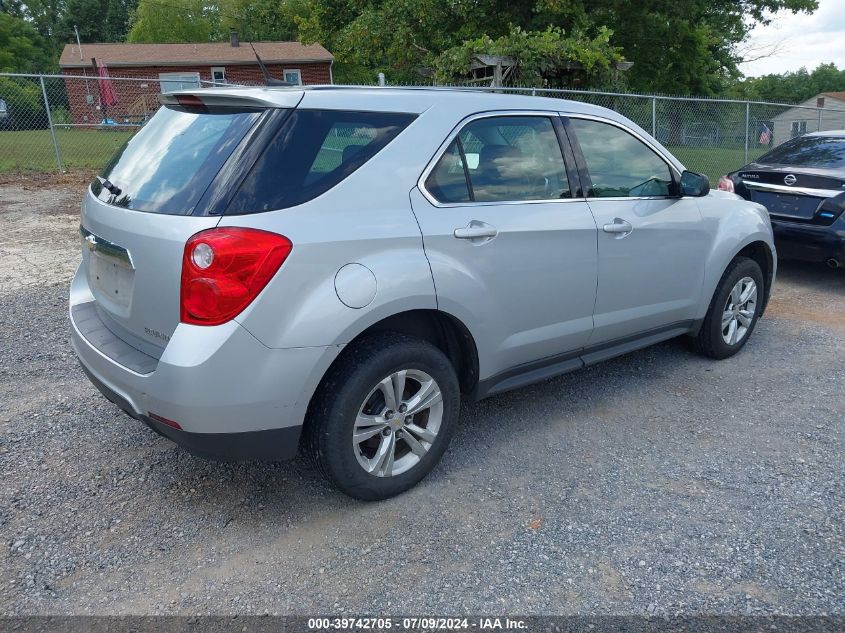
(659, 482)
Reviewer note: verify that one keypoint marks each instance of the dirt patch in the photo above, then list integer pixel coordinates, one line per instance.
(809, 292)
(38, 236)
(38, 180)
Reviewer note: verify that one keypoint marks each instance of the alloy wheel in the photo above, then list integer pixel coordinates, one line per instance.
(739, 311)
(397, 423)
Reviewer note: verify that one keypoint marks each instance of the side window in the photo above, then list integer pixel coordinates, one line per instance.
(218, 74)
(798, 128)
(620, 165)
(514, 158)
(447, 181)
(312, 152)
(344, 140)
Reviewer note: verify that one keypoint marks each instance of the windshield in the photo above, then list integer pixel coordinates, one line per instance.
(167, 166)
(809, 151)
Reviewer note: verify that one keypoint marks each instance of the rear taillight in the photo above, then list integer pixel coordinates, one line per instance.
(224, 269)
(725, 184)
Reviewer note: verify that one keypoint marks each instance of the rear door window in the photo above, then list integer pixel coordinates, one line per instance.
(448, 180)
(312, 152)
(514, 158)
(169, 163)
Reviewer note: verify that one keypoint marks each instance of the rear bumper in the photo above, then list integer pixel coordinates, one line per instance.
(267, 445)
(810, 242)
(232, 396)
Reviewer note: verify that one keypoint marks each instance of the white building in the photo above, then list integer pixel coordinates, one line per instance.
(825, 111)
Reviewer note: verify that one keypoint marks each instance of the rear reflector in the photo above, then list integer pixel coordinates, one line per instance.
(224, 269)
(163, 420)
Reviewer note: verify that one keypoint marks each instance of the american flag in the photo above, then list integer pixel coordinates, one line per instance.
(765, 135)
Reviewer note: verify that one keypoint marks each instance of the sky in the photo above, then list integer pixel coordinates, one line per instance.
(800, 40)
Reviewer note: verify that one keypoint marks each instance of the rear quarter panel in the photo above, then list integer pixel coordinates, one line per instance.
(365, 219)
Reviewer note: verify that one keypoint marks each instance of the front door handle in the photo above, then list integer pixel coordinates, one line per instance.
(477, 232)
(619, 227)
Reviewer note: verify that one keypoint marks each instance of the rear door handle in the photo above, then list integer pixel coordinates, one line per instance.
(477, 231)
(619, 226)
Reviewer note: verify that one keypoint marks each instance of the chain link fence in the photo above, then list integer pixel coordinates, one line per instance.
(72, 122)
(51, 123)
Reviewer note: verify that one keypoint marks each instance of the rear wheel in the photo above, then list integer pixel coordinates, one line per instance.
(734, 310)
(383, 416)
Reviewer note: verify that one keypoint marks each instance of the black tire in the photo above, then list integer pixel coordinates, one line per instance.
(332, 415)
(709, 341)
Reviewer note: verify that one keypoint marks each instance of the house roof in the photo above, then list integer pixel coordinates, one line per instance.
(216, 53)
(834, 95)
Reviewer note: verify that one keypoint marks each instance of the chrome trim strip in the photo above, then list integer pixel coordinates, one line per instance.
(801, 191)
(104, 248)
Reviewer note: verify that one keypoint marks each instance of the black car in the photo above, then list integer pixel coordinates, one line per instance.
(802, 184)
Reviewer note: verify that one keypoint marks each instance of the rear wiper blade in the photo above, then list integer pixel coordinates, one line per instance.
(111, 187)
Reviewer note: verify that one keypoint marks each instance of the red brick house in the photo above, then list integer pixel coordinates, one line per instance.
(171, 66)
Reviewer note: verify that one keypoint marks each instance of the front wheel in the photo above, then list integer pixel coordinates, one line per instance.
(383, 416)
(734, 310)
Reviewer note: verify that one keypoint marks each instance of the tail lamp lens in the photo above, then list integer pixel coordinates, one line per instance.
(224, 269)
(725, 184)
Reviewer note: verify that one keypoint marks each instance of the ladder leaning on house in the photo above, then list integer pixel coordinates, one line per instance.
(143, 108)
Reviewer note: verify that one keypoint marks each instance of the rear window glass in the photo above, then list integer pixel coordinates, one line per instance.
(312, 152)
(808, 151)
(169, 163)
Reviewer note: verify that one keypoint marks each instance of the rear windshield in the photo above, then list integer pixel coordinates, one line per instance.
(169, 163)
(808, 151)
(312, 152)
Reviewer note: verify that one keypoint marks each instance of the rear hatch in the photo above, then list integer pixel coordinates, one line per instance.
(162, 187)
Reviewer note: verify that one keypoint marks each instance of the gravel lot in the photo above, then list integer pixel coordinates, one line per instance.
(659, 482)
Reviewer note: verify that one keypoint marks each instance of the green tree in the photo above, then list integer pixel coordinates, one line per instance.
(118, 14)
(262, 20)
(792, 87)
(22, 49)
(686, 47)
(677, 47)
(542, 57)
(88, 15)
(175, 21)
(46, 17)
(97, 20)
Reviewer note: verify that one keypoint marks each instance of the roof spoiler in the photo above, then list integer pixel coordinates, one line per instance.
(258, 97)
(268, 80)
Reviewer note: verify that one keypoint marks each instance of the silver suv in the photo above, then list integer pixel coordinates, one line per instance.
(333, 269)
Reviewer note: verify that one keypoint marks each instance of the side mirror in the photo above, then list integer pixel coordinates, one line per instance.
(694, 184)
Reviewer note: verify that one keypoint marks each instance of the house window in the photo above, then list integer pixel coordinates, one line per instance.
(798, 128)
(178, 81)
(218, 74)
(293, 77)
